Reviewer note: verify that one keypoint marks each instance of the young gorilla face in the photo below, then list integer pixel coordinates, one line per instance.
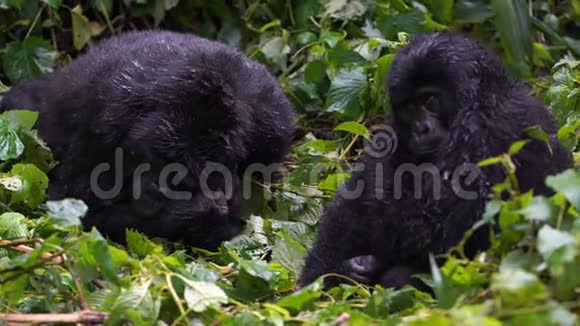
(423, 120)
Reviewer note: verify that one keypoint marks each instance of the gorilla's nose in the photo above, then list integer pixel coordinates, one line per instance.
(421, 128)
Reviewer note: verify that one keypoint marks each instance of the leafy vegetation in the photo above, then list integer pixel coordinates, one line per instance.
(331, 57)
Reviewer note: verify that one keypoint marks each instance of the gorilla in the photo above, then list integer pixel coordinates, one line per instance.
(153, 130)
(453, 105)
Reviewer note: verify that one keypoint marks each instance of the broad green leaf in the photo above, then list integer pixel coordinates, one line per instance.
(341, 55)
(331, 39)
(257, 268)
(303, 298)
(13, 226)
(569, 135)
(354, 128)
(304, 9)
(136, 299)
(412, 21)
(94, 258)
(199, 295)
(345, 91)
(384, 66)
(36, 151)
(550, 240)
(345, 9)
(34, 185)
(66, 212)
(289, 252)
(333, 182)
(539, 210)
(315, 72)
(306, 38)
(568, 184)
(21, 119)
(81, 27)
(27, 59)
(516, 286)
(10, 144)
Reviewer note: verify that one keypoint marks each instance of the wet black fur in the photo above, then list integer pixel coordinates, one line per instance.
(162, 97)
(492, 112)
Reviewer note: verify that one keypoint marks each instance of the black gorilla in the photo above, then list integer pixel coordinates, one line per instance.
(161, 98)
(453, 103)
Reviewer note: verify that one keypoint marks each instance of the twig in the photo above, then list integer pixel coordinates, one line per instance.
(80, 291)
(85, 316)
(347, 149)
(14, 245)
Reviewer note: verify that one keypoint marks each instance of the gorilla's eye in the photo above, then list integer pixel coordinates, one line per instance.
(432, 104)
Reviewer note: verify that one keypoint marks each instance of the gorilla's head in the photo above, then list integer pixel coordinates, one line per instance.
(434, 78)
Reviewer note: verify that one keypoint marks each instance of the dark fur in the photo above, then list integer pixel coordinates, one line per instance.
(492, 112)
(163, 97)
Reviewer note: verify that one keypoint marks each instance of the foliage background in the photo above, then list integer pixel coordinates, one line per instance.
(331, 57)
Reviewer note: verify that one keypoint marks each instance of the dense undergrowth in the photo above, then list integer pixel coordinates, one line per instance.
(331, 57)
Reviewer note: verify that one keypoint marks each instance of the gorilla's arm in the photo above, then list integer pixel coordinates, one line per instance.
(343, 233)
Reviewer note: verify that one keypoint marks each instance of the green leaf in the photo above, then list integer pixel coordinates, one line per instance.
(304, 9)
(516, 287)
(140, 244)
(333, 182)
(384, 66)
(13, 226)
(54, 4)
(569, 134)
(257, 268)
(81, 28)
(540, 209)
(345, 91)
(303, 298)
(34, 185)
(36, 151)
(94, 257)
(537, 133)
(10, 144)
(306, 38)
(27, 59)
(345, 9)
(354, 128)
(550, 240)
(315, 72)
(66, 212)
(517, 146)
(137, 299)
(289, 252)
(442, 10)
(568, 184)
(513, 24)
(472, 11)
(199, 295)
(21, 119)
(341, 55)
(412, 21)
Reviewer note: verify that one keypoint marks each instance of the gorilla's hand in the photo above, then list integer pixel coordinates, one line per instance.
(363, 269)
